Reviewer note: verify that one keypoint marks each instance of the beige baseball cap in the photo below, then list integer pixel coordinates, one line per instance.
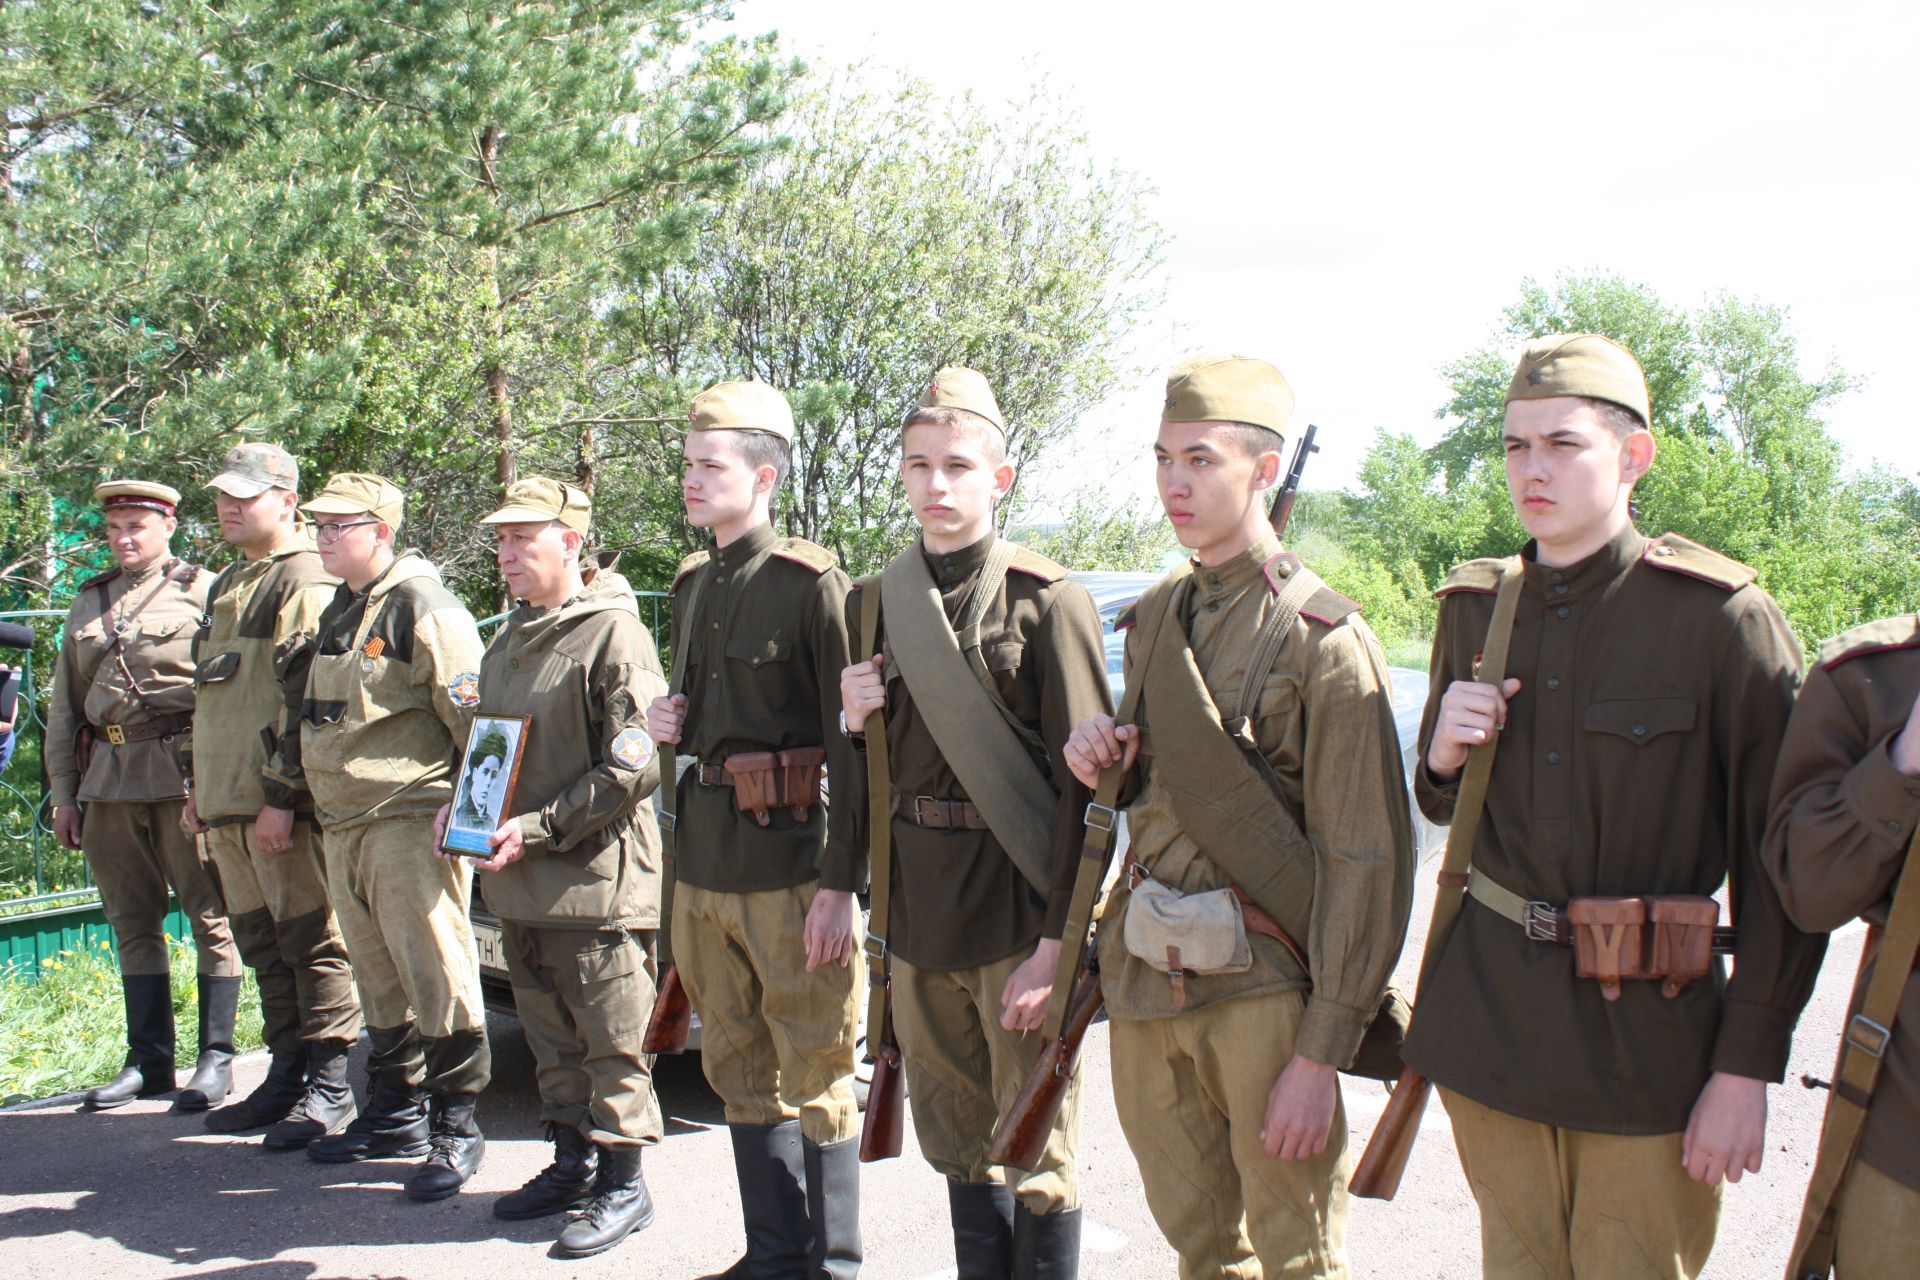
(958, 387)
(352, 492)
(1581, 364)
(251, 469)
(1226, 388)
(742, 406)
(537, 499)
(137, 493)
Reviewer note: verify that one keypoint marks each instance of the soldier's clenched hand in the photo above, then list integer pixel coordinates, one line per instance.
(1727, 1132)
(190, 818)
(862, 691)
(1097, 743)
(1023, 1001)
(1470, 713)
(66, 825)
(273, 829)
(1299, 1110)
(665, 717)
(828, 933)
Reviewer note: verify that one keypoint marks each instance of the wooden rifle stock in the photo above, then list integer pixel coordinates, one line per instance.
(1378, 1175)
(1021, 1139)
(1280, 514)
(672, 1017)
(882, 1129)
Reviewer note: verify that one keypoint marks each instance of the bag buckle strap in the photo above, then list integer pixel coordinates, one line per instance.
(1101, 817)
(1868, 1036)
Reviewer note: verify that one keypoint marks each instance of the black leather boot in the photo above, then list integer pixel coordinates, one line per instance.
(772, 1171)
(833, 1207)
(148, 1071)
(457, 1147)
(270, 1101)
(212, 1078)
(325, 1105)
(620, 1206)
(567, 1183)
(982, 1229)
(1046, 1246)
(394, 1125)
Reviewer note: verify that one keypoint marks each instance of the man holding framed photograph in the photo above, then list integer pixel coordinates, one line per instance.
(574, 871)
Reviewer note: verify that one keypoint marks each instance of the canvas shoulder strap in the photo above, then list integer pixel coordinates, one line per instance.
(879, 833)
(667, 795)
(1863, 1055)
(986, 589)
(1000, 775)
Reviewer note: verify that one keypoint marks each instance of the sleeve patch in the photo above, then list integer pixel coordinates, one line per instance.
(631, 749)
(464, 688)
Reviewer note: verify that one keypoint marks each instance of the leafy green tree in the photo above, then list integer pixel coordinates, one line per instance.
(1131, 537)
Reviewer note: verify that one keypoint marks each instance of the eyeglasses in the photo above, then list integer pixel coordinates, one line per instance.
(332, 530)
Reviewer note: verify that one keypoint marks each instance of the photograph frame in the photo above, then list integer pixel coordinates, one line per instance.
(470, 824)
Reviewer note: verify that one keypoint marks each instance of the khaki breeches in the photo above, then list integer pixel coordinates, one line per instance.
(964, 1072)
(583, 996)
(284, 924)
(1876, 1227)
(776, 1041)
(1192, 1094)
(1566, 1204)
(136, 849)
(403, 912)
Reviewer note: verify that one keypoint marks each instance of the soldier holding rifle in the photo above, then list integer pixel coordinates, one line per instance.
(1602, 1074)
(1265, 901)
(978, 660)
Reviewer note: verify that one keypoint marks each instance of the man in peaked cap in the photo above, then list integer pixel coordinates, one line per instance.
(575, 871)
(764, 924)
(119, 734)
(381, 727)
(251, 654)
(975, 635)
(1273, 781)
(1638, 723)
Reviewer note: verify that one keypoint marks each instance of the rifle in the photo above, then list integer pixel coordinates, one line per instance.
(1021, 1139)
(1280, 514)
(672, 1017)
(883, 1127)
(1377, 1176)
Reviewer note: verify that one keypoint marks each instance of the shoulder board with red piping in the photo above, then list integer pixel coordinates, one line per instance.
(1480, 576)
(101, 579)
(1035, 565)
(1681, 555)
(1325, 605)
(687, 566)
(802, 552)
(1884, 635)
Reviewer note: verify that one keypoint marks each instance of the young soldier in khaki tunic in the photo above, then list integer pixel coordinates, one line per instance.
(1646, 694)
(764, 925)
(575, 873)
(1846, 799)
(1225, 1079)
(254, 644)
(973, 942)
(392, 685)
(123, 699)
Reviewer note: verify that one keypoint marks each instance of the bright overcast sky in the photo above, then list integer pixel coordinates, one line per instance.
(1355, 191)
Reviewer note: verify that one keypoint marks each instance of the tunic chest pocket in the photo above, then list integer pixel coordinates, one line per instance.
(758, 653)
(771, 660)
(220, 666)
(1641, 720)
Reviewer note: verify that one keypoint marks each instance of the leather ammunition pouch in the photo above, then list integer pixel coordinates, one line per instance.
(763, 781)
(1667, 938)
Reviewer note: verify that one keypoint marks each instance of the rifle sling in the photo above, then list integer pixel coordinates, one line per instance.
(995, 767)
(668, 789)
(1863, 1053)
(879, 844)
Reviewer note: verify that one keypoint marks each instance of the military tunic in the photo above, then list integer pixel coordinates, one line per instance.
(134, 792)
(382, 722)
(254, 644)
(963, 916)
(1191, 1083)
(765, 645)
(1655, 686)
(578, 910)
(1843, 815)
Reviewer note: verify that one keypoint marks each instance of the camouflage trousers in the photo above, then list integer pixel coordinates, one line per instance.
(135, 850)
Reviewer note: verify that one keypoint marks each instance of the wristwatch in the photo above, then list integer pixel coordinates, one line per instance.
(855, 734)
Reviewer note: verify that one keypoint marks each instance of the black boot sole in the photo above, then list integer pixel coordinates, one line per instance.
(141, 1096)
(571, 1254)
(585, 1195)
(297, 1143)
(412, 1151)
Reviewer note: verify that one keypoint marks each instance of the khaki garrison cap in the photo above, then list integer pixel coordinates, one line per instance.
(1222, 388)
(539, 499)
(137, 493)
(1581, 364)
(352, 492)
(957, 387)
(742, 406)
(252, 469)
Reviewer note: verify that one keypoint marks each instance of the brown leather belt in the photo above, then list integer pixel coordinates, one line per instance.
(1544, 922)
(711, 774)
(942, 815)
(165, 727)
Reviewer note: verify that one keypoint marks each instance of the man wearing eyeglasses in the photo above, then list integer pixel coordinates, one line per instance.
(381, 726)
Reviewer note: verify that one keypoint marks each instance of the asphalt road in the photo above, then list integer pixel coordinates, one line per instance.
(140, 1192)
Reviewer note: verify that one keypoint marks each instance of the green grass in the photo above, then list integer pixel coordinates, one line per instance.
(67, 1031)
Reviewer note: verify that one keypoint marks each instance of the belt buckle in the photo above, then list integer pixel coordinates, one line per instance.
(1538, 922)
(117, 735)
(920, 817)
(1868, 1036)
(703, 773)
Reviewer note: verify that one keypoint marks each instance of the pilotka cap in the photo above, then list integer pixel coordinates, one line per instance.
(1581, 364)
(1223, 388)
(538, 498)
(352, 492)
(957, 387)
(742, 406)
